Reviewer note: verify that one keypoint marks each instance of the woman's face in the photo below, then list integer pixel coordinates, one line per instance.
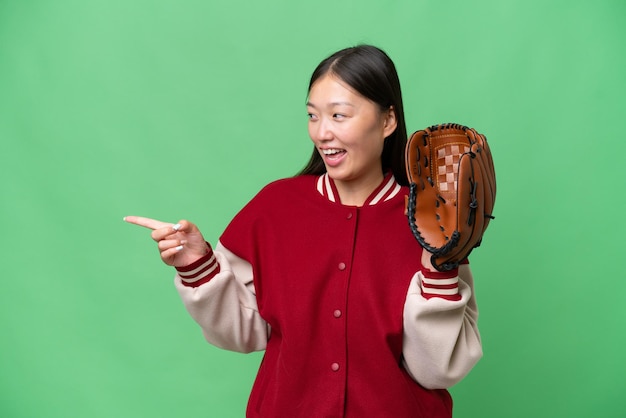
(348, 131)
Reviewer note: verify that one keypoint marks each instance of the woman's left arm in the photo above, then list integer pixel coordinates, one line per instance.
(441, 341)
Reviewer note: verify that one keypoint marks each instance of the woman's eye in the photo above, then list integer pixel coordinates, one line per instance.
(338, 116)
(311, 116)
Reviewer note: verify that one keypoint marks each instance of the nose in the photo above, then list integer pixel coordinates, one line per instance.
(320, 130)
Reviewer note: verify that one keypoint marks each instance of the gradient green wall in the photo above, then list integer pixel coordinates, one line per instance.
(184, 109)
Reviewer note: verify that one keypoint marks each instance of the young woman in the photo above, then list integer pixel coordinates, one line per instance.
(323, 273)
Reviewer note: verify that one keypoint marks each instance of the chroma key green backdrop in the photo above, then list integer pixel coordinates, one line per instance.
(185, 109)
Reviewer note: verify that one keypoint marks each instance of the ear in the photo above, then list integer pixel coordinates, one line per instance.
(390, 121)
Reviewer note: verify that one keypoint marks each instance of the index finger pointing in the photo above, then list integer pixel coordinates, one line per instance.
(147, 222)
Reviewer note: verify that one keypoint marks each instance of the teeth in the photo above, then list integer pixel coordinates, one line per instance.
(331, 151)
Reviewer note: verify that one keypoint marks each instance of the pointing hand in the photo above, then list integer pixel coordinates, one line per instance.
(180, 244)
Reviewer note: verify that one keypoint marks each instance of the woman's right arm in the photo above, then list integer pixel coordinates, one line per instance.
(218, 292)
(216, 287)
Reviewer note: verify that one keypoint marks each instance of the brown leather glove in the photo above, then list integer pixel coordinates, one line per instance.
(452, 191)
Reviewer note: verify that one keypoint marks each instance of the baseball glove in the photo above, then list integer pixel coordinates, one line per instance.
(452, 191)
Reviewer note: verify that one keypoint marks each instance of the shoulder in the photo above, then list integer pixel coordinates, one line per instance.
(280, 195)
(278, 203)
(290, 183)
(287, 188)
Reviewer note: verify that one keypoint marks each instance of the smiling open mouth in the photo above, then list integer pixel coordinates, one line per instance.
(333, 152)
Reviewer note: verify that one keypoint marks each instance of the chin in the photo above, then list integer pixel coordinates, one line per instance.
(334, 173)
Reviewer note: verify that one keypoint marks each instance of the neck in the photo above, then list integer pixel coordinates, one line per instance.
(356, 192)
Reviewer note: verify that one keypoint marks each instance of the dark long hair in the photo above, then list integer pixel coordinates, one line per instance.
(370, 72)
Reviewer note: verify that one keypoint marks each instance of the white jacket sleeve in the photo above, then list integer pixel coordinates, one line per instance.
(225, 307)
(441, 340)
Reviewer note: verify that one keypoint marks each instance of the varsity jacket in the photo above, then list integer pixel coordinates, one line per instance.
(351, 323)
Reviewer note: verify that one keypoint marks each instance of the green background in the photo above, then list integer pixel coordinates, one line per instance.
(185, 109)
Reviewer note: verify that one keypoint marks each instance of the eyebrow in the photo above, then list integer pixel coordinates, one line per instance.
(332, 104)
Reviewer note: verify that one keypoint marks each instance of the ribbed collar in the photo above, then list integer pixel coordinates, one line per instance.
(387, 189)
